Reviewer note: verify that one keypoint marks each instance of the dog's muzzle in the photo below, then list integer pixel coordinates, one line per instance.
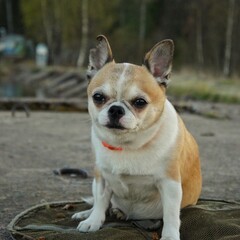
(114, 115)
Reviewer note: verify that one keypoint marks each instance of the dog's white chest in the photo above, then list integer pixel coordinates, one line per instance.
(136, 195)
(131, 187)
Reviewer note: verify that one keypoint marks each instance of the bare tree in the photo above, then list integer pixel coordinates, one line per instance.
(142, 26)
(199, 42)
(9, 16)
(83, 48)
(46, 24)
(229, 31)
(51, 17)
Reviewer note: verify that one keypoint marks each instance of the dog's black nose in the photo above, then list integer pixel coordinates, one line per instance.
(116, 112)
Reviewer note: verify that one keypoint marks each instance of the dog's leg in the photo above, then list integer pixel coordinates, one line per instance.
(102, 195)
(171, 195)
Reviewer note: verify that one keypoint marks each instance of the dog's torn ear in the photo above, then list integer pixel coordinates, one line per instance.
(99, 56)
(159, 61)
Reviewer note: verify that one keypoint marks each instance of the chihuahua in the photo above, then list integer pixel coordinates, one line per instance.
(147, 163)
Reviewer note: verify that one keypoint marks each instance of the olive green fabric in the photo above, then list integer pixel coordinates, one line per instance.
(208, 220)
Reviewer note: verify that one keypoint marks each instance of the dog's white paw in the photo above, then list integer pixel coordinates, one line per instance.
(82, 215)
(90, 224)
(169, 238)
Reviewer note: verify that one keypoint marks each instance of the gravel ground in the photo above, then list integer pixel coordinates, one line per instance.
(31, 148)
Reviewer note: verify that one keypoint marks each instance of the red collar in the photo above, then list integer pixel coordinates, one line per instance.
(110, 147)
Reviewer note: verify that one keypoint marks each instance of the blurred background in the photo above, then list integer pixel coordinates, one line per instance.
(44, 44)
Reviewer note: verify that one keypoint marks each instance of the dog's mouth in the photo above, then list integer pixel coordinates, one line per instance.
(115, 126)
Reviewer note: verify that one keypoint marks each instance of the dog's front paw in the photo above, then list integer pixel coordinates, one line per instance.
(169, 238)
(91, 224)
(82, 215)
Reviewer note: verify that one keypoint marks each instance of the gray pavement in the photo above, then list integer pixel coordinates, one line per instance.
(31, 148)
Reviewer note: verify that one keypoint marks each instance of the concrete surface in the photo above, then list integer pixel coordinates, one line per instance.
(31, 148)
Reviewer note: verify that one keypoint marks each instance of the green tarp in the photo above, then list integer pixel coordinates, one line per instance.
(208, 220)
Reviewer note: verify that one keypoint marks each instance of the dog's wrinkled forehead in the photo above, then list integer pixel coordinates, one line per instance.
(122, 80)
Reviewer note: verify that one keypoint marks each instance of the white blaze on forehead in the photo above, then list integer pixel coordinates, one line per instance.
(121, 81)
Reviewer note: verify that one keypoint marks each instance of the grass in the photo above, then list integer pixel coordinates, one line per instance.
(189, 84)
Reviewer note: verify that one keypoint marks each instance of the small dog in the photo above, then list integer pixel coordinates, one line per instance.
(147, 163)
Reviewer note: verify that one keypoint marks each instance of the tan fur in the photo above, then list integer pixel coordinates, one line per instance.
(185, 166)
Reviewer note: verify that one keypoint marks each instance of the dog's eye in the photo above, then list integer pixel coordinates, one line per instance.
(139, 103)
(99, 98)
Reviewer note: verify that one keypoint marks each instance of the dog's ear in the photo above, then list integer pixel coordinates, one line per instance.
(159, 61)
(99, 56)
